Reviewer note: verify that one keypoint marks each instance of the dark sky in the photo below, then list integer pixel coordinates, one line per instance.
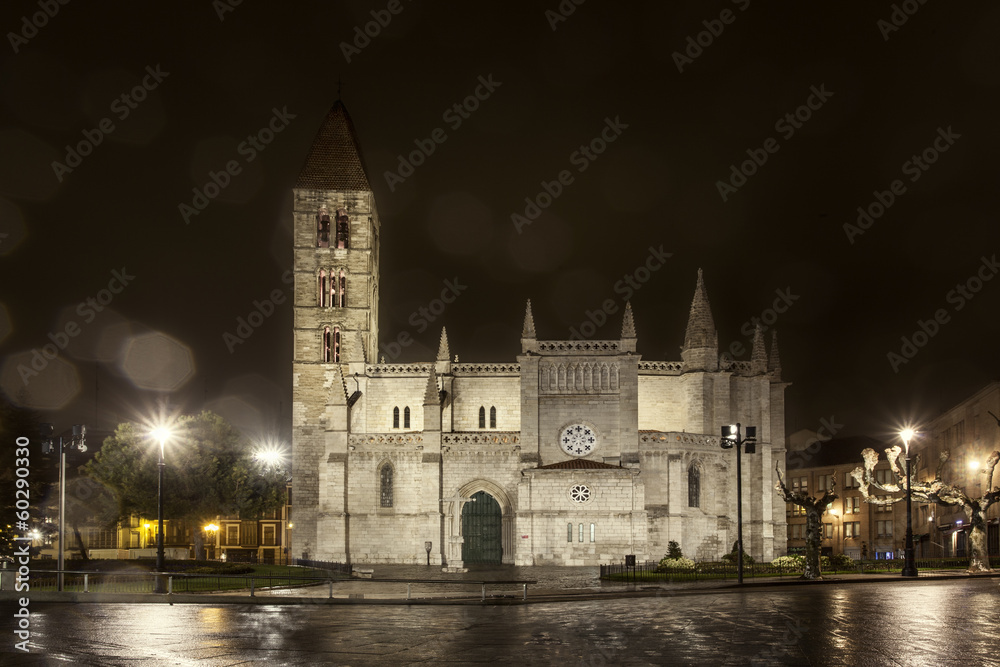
(886, 95)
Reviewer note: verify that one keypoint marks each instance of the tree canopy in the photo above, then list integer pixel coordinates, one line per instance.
(210, 470)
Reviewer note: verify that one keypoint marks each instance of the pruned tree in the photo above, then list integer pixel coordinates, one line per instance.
(938, 492)
(814, 508)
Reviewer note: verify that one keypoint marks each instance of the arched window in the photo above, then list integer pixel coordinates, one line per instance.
(323, 291)
(343, 228)
(323, 228)
(406, 417)
(395, 417)
(482, 417)
(694, 486)
(342, 290)
(327, 344)
(493, 417)
(385, 485)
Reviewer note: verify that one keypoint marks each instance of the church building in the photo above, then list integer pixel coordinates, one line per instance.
(573, 453)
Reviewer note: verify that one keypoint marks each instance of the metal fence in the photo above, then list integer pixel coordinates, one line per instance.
(650, 570)
(146, 582)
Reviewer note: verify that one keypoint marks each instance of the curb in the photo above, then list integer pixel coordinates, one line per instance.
(543, 596)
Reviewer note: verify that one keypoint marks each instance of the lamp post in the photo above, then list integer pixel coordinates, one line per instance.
(77, 441)
(731, 438)
(909, 567)
(160, 434)
(212, 530)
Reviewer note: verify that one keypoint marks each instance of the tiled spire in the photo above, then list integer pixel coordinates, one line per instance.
(334, 161)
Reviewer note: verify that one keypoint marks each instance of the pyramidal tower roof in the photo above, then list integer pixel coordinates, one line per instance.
(334, 161)
(700, 327)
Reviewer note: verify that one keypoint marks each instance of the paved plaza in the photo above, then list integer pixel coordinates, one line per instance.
(929, 621)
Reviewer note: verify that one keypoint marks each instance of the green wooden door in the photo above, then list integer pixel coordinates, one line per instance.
(482, 530)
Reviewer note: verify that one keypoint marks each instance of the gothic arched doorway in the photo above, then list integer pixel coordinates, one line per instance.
(482, 530)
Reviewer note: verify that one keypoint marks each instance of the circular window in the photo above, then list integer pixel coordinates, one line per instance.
(578, 440)
(580, 493)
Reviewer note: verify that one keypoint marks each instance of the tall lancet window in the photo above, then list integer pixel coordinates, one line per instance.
(331, 344)
(324, 289)
(694, 486)
(385, 485)
(323, 228)
(493, 417)
(406, 417)
(395, 417)
(343, 228)
(482, 417)
(342, 290)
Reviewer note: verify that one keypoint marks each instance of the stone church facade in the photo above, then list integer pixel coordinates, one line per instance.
(573, 453)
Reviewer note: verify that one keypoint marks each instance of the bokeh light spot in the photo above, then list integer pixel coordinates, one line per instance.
(157, 361)
(33, 380)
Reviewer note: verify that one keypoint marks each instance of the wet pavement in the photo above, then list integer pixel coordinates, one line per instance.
(924, 622)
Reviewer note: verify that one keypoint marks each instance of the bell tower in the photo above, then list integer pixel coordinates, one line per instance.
(336, 268)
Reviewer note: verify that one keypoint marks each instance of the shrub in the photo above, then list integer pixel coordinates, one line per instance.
(674, 550)
(675, 564)
(793, 562)
(734, 557)
(837, 562)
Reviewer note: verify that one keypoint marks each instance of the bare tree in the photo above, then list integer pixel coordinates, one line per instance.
(938, 492)
(814, 508)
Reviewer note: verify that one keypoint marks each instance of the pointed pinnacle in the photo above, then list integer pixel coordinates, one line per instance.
(529, 323)
(443, 352)
(700, 327)
(431, 396)
(628, 322)
(774, 360)
(758, 358)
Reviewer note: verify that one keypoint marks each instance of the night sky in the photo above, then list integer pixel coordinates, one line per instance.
(840, 107)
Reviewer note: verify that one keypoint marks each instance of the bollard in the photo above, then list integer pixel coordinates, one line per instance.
(251, 586)
(85, 583)
(525, 592)
(170, 585)
(331, 589)
(484, 592)
(407, 591)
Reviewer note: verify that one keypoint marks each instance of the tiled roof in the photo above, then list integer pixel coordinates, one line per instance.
(335, 161)
(578, 464)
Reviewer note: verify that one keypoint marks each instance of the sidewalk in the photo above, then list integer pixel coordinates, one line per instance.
(460, 589)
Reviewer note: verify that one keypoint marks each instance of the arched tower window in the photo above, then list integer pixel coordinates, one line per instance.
(323, 288)
(343, 228)
(327, 344)
(482, 417)
(395, 417)
(493, 417)
(385, 485)
(406, 417)
(342, 290)
(323, 228)
(694, 486)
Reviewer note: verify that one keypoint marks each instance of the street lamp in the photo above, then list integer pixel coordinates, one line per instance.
(212, 530)
(161, 434)
(731, 438)
(77, 441)
(909, 567)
